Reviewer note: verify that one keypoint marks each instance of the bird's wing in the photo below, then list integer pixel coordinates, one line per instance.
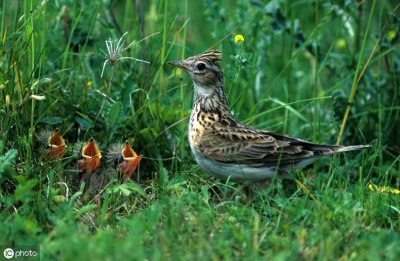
(244, 145)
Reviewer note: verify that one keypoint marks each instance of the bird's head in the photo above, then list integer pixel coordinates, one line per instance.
(204, 69)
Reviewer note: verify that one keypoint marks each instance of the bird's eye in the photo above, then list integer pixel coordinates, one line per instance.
(201, 66)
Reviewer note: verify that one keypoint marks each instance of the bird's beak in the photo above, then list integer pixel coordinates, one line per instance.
(181, 64)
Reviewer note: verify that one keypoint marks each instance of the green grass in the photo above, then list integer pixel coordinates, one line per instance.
(317, 70)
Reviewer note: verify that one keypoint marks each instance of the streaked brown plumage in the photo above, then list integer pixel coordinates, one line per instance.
(226, 148)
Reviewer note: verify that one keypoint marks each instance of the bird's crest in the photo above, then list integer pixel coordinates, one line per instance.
(212, 56)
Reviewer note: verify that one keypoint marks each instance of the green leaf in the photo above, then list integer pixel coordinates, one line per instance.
(132, 186)
(113, 116)
(7, 159)
(289, 108)
(84, 123)
(126, 189)
(148, 133)
(24, 189)
(44, 80)
(84, 210)
(164, 176)
(52, 120)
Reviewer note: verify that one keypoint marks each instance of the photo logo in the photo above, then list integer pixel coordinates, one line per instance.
(8, 253)
(21, 252)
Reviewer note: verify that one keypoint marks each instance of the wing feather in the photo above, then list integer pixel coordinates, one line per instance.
(244, 145)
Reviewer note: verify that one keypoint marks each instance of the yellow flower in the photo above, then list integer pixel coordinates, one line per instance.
(341, 43)
(383, 189)
(89, 83)
(178, 72)
(239, 38)
(391, 35)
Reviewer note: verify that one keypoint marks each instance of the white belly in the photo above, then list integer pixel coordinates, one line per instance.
(235, 172)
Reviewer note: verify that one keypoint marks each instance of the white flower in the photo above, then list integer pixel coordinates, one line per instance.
(115, 49)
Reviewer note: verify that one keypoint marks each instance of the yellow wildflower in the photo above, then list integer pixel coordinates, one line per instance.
(391, 35)
(341, 43)
(178, 72)
(383, 189)
(89, 83)
(239, 38)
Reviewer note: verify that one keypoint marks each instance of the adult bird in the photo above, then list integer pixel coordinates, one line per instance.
(226, 148)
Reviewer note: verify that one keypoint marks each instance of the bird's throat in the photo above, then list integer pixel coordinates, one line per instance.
(210, 98)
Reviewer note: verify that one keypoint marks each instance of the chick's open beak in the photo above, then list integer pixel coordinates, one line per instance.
(181, 64)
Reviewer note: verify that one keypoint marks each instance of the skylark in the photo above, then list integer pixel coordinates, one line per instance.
(226, 148)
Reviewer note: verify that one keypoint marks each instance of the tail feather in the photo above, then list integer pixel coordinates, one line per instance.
(350, 148)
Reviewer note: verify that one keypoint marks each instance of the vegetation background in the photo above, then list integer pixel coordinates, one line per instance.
(302, 67)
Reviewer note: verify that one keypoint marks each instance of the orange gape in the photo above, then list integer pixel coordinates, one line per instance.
(130, 162)
(91, 159)
(57, 146)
